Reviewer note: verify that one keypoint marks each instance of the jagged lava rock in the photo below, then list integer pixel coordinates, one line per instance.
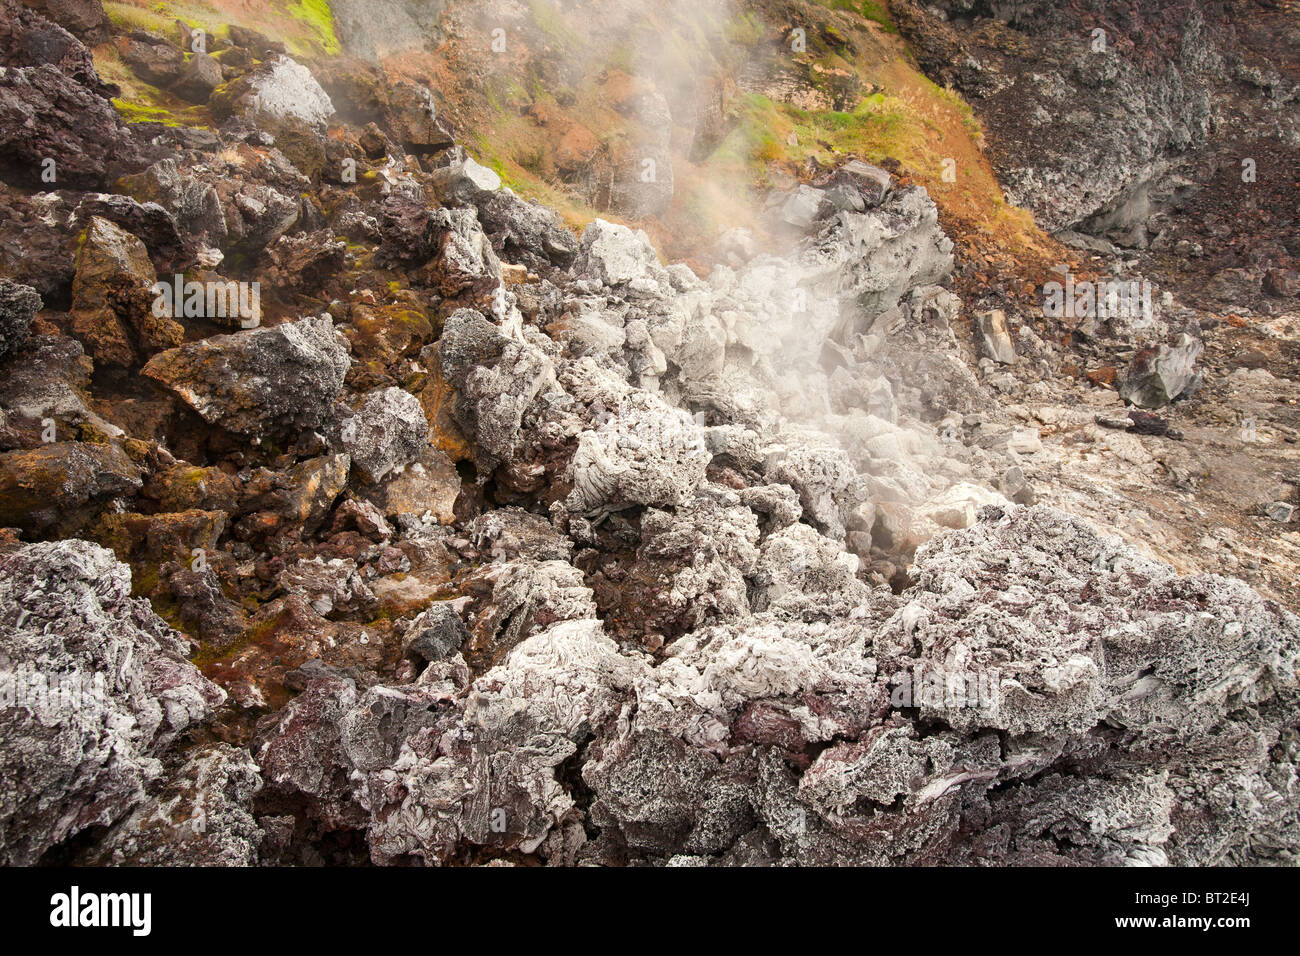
(428, 484)
(527, 232)
(45, 114)
(497, 379)
(465, 182)
(18, 306)
(201, 816)
(85, 19)
(171, 249)
(62, 485)
(436, 633)
(112, 298)
(259, 383)
(1164, 374)
(84, 757)
(29, 39)
(1109, 691)
(386, 432)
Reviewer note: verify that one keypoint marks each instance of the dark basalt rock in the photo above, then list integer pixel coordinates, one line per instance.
(45, 114)
(171, 250)
(33, 249)
(436, 634)
(151, 57)
(262, 383)
(305, 262)
(28, 39)
(18, 306)
(404, 225)
(195, 205)
(85, 19)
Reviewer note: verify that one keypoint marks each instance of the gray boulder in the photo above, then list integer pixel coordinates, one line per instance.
(436, 633)
(282, 90)
(527, 233)
(1163, 375)
(497, 380)
(803, 207)
(202, 75)
(613, 255)
(465, 182)
(386, 432)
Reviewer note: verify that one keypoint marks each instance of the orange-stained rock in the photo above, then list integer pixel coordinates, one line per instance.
(1103, 376)
(381, 337)
(438, 398)
(61, 486)
(112, 305)
(430, 484)
(183, 487)
(162, 537)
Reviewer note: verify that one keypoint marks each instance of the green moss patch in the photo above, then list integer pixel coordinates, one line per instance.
(319, 20)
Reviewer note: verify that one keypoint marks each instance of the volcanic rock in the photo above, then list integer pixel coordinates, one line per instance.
(430, 483)
(465, 182)
(202, 816)
(202, 75)
(45, 114)
(436, 633)
(106, 690)
(526, 232)
(112, 299)
(613, 254)
(281, 91)
(60, 486)
(1162, 375)
(170, 249)
(85, 19)
(995, 338)
(385, 433)
(261, 383)
(151, 57)
(18, 306)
